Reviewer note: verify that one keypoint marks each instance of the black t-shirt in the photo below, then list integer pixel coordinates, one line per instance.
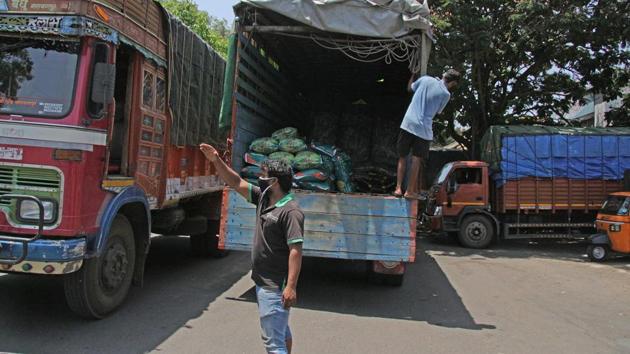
(277, 227)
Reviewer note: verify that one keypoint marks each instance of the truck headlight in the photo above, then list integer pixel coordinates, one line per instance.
(28, 211)
(437, 211)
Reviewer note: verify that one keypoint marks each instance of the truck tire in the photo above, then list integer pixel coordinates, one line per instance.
(598, 253)
(476, 231)
(207, 244)
(102, 284)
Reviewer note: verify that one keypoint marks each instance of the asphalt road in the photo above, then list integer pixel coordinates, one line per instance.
(516, 298)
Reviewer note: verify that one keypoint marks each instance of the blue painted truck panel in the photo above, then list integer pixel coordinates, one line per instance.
(343, 226)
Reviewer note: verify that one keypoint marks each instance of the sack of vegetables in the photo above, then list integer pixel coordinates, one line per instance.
(285, 133)
(283, 156)
(306, 160)
(292, 146)
(264, 146)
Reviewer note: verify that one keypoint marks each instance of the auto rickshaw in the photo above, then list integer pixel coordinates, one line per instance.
(613, 229)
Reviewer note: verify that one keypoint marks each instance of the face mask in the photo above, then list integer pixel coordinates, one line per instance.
(265, 183)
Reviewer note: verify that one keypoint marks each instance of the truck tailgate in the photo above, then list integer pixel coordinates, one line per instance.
(343, 226)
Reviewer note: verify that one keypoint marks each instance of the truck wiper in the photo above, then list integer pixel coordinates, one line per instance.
(15, 46)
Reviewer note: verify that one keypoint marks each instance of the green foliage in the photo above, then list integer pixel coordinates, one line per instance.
(213, 30)
(527, 61)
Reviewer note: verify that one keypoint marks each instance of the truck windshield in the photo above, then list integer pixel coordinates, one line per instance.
(616, 205)
(37, 77)
(441, 177)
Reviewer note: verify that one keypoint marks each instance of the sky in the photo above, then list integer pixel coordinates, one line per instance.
(218, 8)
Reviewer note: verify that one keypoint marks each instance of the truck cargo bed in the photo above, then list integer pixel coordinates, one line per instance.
(342, 226)
(554, 194)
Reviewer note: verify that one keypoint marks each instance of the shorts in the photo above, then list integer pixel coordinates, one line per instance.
(274, 319)
(418, 146)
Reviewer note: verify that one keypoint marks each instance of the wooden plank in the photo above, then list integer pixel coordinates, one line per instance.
(261, 97)
(361, 225)
(254, 123)
(241, 99)
(336, 241)
(252, 56)
(276, 91)
(356, 256)
(347, 204)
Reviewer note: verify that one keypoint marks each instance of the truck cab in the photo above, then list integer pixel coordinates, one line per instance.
(459, 202)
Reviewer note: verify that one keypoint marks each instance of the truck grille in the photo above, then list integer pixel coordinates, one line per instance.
(26, 180)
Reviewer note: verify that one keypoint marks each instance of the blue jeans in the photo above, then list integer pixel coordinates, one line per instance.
(274, 320)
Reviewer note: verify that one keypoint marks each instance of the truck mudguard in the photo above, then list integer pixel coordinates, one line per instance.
(599, 239)
(132, 194)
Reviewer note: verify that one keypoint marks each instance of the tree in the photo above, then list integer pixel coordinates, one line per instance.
(213, 30)
(527, 61)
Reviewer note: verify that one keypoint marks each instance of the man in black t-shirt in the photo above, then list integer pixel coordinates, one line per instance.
(277, 246)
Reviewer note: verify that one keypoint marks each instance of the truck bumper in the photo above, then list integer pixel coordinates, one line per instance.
(44, 256)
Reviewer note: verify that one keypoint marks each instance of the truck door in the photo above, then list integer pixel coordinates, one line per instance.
(465, 188)
(151, 127)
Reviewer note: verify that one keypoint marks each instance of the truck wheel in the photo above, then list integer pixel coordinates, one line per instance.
(207, 244)
(598, 253)
(476, 231)
(102, 284)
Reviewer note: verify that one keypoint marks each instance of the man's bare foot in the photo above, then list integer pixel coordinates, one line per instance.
(398, 193)
(415, 196)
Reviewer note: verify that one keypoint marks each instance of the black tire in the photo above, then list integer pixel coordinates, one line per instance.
(207, 244)
(476, 231)
(598, 253)
(102, 284)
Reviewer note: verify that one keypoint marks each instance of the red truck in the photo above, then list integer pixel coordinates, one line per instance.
(535, 182)
(102, 106)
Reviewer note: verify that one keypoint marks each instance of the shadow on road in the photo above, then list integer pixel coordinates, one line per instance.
(341, 287)
(564, 250)
(35, 318)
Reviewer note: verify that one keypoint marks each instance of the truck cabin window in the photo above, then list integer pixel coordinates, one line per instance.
(101, 55)
(441, 177)
(616, 205)
(37, 77)
(468, 176)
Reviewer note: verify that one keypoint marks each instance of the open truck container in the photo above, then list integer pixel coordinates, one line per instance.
(290, 68)
(534, 182)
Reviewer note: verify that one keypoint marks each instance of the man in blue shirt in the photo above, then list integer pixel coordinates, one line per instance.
(430, 96)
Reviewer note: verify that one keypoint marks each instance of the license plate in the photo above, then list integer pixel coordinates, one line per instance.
(7, 153)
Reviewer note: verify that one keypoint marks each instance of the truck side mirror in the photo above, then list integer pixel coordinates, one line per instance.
(103, 83)
(451, 187)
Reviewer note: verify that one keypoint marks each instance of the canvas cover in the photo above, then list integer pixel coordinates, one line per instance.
(515, 152)
(369, 18)
(196, 86)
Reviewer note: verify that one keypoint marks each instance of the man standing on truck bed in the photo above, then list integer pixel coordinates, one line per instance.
(430, 96)
(277, 247)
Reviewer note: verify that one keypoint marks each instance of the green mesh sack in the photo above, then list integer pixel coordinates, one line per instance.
(292, 145)
(343, 172)
(264, 146)
(283, 156)
(285, 133)
(306, 160)
(328, 165)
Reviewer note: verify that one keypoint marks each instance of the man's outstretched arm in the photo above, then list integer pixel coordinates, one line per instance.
(226, 173)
